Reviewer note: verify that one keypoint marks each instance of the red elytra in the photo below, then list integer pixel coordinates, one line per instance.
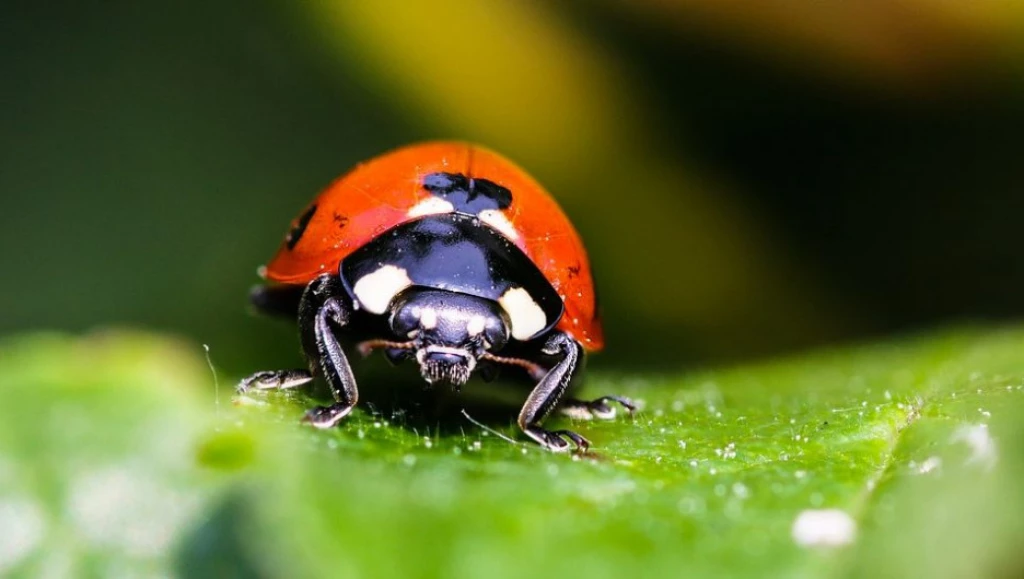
(379, 194)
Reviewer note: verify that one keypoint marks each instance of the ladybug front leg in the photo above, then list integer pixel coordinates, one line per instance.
(597, 408)
(323, 311)
(549, 390)
(276, 300)
(275, 380)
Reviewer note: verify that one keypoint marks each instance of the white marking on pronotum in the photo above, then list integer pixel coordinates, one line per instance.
(496, 219)
(526, 316)
(431, 206)
(428, 319)
(475, 326)
(376, 290)
(824, 528)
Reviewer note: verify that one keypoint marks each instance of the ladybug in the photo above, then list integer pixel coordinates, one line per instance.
(447, 254)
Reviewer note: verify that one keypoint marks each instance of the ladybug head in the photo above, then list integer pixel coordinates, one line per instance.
(449, 331)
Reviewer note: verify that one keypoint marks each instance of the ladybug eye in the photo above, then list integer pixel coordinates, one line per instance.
(495, 334)
(406, 321)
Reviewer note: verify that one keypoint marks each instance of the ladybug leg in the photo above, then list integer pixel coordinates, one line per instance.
(319, 328)
(275, 300)
(549, 390)
(597, 408)
(274, 380)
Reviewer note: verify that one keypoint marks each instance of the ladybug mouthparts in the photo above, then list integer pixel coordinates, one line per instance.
(440, 364)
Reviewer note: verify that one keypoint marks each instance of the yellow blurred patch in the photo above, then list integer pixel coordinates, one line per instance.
(493, 71)
(895, 45)
(671, 247)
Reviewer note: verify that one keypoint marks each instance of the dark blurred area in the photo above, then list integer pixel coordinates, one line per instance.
(749, 182)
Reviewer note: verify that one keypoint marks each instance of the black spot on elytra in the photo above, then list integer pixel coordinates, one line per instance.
(470, 196)
(300, 227)
(574, 270)
(340, 219)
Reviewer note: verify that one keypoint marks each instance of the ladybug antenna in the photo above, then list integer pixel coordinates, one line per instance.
(367, 347)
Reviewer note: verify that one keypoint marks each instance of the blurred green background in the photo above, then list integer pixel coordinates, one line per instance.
(749, 179)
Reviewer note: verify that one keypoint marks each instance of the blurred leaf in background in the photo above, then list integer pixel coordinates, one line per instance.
(677, 253)
(749, 180)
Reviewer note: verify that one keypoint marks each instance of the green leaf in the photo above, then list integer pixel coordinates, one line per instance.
(898, 459)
